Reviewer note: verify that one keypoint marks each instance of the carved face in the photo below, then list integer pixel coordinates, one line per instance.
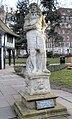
(34, 10)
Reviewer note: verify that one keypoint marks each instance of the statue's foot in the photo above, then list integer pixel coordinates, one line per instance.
(34, 71)
(46, 71)
(39, 71)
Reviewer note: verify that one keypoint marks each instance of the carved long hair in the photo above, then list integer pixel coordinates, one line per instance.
(32, 8)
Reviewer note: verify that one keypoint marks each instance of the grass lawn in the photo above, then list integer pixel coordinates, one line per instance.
(18, 60)
(21, 60)
(49, 60)
(57, 60)
(63, 77)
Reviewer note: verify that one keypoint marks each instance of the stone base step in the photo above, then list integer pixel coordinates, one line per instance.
(30, 100)
(25, 113)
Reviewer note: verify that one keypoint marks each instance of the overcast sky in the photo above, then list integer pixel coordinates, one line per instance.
(62, 3)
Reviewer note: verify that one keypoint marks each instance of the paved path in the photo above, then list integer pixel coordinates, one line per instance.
(10, 86)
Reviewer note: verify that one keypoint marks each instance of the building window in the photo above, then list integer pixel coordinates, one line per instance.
(64, 19)
(0, 38)
(68, 38)
(56, 45)
(50, 45)
(62, 25)
(68, 51)
(9, 38)
(69, 18)
(71, 44)
(67, 32)
(67, 44)
(63, 31)
(59, 44)
(46, 44)
(64, 38)
(69, 26)
(68, 11)
(65, 25)
(62, 44)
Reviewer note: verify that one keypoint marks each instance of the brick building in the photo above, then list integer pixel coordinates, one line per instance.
(64, 47)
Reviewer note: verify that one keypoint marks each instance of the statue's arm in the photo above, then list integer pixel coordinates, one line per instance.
(30, 23)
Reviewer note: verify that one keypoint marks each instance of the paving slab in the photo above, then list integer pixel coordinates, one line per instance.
(18, 87)
(8, 92)
(64, 95)
(70, 117)
(64, 102)
(7, 113)
(10, 100)
(1, 95)
(17, 97)
(3, 102)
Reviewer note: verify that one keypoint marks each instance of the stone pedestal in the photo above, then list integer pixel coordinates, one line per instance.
(38, 102)
(38, 83)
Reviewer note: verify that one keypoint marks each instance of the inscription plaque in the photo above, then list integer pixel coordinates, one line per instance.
(44, 104)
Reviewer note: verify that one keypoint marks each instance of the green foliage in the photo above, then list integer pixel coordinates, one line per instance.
(54, 17)
(50, 11)
(57, 60)
(18, 68)
(18, 61)
(54, 68)
(49, 54)
(22, 10)
(49, 60)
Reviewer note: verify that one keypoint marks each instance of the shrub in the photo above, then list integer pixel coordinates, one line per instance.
(53, 68)
(56, 55)
(49, 54)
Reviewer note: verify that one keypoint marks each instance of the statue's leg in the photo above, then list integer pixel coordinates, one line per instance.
(44, 67)
(39, 62)
(43, 56)
(33, 60)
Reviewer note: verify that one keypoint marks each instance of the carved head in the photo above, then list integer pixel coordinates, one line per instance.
(34, 9)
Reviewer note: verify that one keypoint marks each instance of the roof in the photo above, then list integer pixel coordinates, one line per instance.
(65, 11)
(6, 29)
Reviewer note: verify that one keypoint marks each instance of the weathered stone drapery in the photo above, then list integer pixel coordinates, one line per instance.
(35, 26)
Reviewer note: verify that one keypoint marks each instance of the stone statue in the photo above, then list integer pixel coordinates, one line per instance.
(35, 26)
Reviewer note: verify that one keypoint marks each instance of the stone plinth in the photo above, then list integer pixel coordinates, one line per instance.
(26, 113)
(38, 102)
(30, 100)
(38, 84)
